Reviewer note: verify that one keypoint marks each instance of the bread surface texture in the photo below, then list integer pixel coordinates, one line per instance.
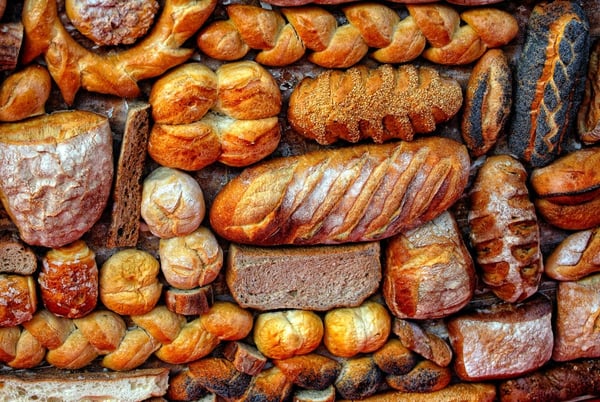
(361, 193)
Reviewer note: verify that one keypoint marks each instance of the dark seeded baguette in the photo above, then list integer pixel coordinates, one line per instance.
(550, 78)
(360, 193)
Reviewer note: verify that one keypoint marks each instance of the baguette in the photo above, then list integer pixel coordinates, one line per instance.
(360, 193)
(382, 103)
(282, 37)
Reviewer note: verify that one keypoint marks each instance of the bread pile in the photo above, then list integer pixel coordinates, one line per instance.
(318, 202)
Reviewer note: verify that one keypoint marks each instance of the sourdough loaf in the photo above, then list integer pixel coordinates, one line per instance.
(312, 278)
(360, 193)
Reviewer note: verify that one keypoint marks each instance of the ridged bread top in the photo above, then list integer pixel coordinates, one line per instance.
(330, 196)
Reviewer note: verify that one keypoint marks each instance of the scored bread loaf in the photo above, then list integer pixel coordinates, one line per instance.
(303, 277)
(575, 257)
(381, 104)
(359, 193)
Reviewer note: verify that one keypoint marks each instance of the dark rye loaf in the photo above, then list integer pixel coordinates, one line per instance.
(311, 278)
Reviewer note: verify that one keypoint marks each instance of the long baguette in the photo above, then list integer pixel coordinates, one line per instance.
(361, 193)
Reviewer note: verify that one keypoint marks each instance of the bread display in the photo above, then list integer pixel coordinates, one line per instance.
(312, 270)
(549, 81)
(359, 204)
(381, 104)
(282, 37)
(504, 229)
(429, 273)
(303, 278)
(71, 150)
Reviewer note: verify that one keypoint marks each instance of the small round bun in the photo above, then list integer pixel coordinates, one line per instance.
(129, 282)
(172, 203)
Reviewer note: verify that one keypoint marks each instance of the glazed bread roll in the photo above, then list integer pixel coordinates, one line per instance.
(18, 300)
(503, 341)
(429, 273)
(380, 104)
(488, 100)
(56, 175)
(24, 93)
(191, 260)
(504, 229)
(172, 203)
(353, 330)
(567, 191)
(359, 193)
(283, 36)
(286, 333)
(69, 280)
(113, 23)
(128, 282)
(575, 257)
(201, 116)
(547, 97)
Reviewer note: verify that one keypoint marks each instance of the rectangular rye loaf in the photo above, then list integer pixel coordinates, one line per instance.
(312, 278)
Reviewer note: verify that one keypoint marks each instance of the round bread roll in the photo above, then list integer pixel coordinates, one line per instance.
(353, 330)
(129, 282)
(172, 203)
(24, 93)
(56, 175)
(192, 260)
(69, 280)
(18, 299)
(227, 321)
(112, 22)
(283, 334)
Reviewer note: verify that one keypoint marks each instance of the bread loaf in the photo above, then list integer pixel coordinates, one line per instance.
(360, 193)
(394, 357)
(423, 342)
(381, 104)
(73, 66)
(575, 257)
(24, 93)
(18, 299)
(428, 272)
(303, 277)
(503, 341)
(504, 229)
(488, 100)
(283, 36)
(575, 334)
(194, 301)
(549, 81)
(69, 280)
(359, 378)
(464, 391)
(588, 117)
(56, 175)
(426, 376)
(16, 257)
(312, 370)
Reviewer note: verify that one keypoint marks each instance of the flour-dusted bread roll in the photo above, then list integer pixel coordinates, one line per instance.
(172, 203)
(428, 273)
(353, 330)
(191, 260)
(359, 193)
(69, 280)
(56, 175)
(504, 229)
(286, 333)
(575, 334)
(128, 282)
(503, 341)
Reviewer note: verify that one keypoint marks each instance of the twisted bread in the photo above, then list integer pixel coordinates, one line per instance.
(201, 116)
(382, 103)
(358, 193)
(74, 343)
(431, 30)
(73, 66)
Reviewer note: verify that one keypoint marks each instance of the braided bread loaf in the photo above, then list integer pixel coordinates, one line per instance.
(434, 31)
(381, 103)
(123, 343)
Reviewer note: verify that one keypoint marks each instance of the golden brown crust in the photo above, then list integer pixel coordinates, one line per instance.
(588, 117)
(73, 67)
(312, 370)
(423, 342)
(576, 256)
(288, 214)
(426, 376)
(381, 104)
(24, 93)
(282, 36)
(69, 280)
(18, 299)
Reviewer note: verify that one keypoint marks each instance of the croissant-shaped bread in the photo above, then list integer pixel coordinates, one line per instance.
(381, 103)
(360, 193)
